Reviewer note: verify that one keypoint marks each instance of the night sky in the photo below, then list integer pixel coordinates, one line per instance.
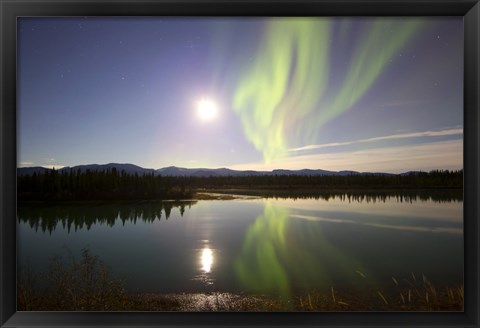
(365, 94)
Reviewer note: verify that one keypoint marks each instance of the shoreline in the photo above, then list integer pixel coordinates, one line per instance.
(255, 193)
(424, 298)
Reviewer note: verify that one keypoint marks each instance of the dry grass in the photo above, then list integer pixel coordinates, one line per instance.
(86, 285)
(412, 295)
(73, 285)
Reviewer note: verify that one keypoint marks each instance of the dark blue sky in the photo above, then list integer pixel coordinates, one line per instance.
(332, 93)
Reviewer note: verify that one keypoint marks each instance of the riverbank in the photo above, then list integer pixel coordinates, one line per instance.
(245, 192)
(86, 284)
(413, 299)
(443, 299)
(226, 193)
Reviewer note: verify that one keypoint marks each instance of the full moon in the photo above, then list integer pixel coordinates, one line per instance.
(207, 110)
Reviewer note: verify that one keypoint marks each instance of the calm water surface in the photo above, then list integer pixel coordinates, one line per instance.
(268, 246)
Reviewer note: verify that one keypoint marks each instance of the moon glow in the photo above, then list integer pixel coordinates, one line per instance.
(206, 110)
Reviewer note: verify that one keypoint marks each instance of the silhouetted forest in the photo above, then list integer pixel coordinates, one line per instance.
(99, 185)
(112, 185)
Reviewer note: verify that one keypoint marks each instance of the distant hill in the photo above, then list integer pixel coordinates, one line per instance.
(31, 170)
(203, 172)
(194, 172)
(128, 168)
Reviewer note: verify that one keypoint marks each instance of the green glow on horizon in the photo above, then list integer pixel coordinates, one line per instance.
(278, 100)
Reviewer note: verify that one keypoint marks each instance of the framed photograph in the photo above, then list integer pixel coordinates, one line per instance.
(247, 163)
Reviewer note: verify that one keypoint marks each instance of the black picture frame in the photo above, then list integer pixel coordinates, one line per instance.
(10, 10)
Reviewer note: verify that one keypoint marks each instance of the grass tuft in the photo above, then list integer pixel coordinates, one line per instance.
(395, 281)
(360, 273)
(382, 297)
(333, 295)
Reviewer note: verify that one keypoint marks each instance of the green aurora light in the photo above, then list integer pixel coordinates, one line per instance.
(281, 98)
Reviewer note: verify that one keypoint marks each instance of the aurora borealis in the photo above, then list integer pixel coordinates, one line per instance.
(284, 84)
(289, 77)
(336, 93)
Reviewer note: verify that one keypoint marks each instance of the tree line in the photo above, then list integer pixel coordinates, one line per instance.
(53, 185)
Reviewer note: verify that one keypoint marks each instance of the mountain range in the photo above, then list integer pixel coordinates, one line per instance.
(194, 172)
